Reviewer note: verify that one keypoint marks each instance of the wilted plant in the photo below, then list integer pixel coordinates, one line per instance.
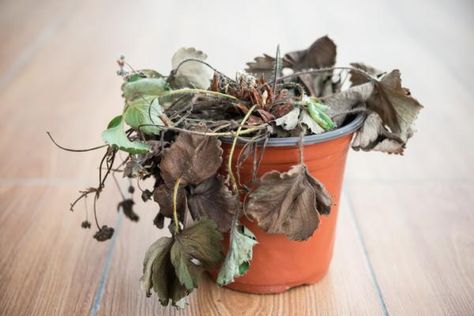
(172, 128)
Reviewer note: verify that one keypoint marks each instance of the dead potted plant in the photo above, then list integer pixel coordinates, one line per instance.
(247, 171)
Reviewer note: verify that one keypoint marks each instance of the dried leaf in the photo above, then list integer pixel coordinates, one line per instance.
(306, 119)
(321, 54)
(289, 120)
(115, 136)
(104, 233)
(357, 78)
(397, 111)
(214, 200)
(193, 158)
(239, 255)
(191, 74)
(262, 66)
(127, 209)
(195, 249)
(164, 197)
(287, 203)
(342, 102)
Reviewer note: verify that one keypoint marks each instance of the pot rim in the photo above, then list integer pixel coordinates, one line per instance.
(349, 128)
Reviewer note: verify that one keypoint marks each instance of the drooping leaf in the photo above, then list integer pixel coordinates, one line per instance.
(287, 203)
(397, 111)
(191, 74)
(193, 158)
(104, 233)
(214, 200)
(195, 249)
(145, 110)
(127, 208)
(144, 87)
(164, 197)
(159, 274)
(358, 78)
(290, 120)
(238, 256)
(115, 136)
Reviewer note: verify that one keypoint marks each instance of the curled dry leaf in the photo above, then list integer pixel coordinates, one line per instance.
(127, 209)
(191, 74)
(193, 158)
(289, 121)
(214, 200)
(173, 266)
(289, 203)
(397, 111)
(239, 255)
(104, 233)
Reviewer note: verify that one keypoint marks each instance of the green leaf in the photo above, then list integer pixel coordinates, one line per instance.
(146, 86)
(144, 110)
(158, 273)
(115, 136)
(237, 261)
(317, 111)
(196, 248)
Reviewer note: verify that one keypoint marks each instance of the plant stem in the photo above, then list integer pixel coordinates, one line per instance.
(175, 206)
(198, 91)
(232, 149)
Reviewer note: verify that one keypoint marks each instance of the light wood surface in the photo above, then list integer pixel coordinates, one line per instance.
(405, 239)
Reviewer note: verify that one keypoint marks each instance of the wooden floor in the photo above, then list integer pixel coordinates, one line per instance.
(405, 243)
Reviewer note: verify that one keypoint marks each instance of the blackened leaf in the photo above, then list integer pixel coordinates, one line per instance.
(104, 233)
(127, 209)
(287, 203)
(195, 249)
(115, 136)
(191, 74)
(164, 197)
(159, 275)
(214, 200)
(322, 53)
(86, 224)
(239, 255)
(159, 220)
(146, 195)
(193, 158)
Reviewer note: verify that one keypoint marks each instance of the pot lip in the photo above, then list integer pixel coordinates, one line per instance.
(310, 139)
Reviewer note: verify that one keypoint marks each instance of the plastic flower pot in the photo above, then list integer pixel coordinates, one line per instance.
(278, 263)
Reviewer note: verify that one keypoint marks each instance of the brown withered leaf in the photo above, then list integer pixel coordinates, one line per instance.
(262, 66)
(214, 200)
(342, 102)
(321, 54)
(357, 78)
(127, 208)
(396, 109)
(193, 158)
(289, 203)
(164, 197)
(104, 233)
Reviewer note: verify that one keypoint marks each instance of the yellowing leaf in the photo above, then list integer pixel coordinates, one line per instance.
(115, 136)
(239, 255)
(289, 203)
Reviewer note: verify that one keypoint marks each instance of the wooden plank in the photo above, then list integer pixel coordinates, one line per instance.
(48, 264)
(420, 242)
(346, 289)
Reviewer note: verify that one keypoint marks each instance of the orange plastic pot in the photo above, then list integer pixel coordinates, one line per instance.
(278, 263)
